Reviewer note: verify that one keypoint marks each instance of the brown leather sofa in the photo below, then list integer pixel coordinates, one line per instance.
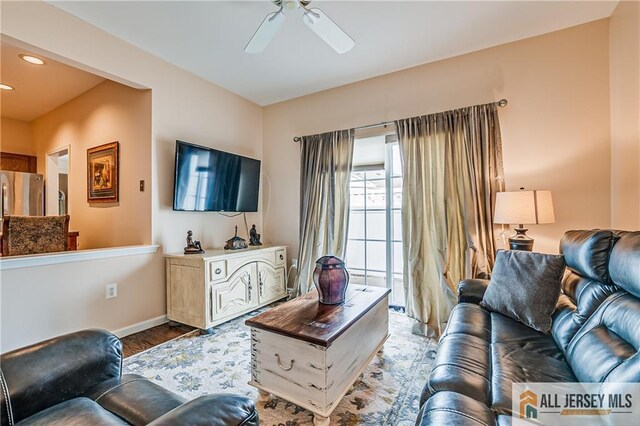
(594, 338)
(76, 379)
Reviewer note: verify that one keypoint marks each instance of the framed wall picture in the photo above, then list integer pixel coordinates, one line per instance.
(102, 173)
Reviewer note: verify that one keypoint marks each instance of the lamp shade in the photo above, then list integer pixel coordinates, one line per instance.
(523, 207)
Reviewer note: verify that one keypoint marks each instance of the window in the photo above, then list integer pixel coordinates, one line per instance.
(374, 248)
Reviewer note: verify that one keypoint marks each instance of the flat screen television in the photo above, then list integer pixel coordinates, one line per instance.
(207, 179)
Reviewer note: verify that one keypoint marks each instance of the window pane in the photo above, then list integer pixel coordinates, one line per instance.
(376, 255)
(376, 194)
(396, 182)
(354, 257)
(376, 225)
(356, 176)
(356, 277)
(357, 194)
(396, 165)
(398, 261)
(397, 293)
(356, 224)
(376, 174)
(396, 233)
(377, 279)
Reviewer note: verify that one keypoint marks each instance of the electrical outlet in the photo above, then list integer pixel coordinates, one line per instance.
(294, 263)
(112, 291)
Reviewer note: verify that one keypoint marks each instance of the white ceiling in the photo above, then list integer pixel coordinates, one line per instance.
(208, 37)
(38, 89)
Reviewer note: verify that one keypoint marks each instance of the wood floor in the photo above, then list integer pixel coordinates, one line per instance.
(151, 337)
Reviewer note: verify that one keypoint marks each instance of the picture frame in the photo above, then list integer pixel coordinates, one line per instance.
(103, 173)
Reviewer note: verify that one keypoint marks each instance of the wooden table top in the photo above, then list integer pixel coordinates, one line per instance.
(304, 318)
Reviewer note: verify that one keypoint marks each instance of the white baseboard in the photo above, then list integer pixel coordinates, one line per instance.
(143, 325)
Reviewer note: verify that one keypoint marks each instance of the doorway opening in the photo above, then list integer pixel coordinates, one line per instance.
(57, 183)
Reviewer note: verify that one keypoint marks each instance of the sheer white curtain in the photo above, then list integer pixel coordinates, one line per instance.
(325, 170)
(452, 167)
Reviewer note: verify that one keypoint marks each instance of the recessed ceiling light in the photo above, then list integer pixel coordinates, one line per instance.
(5, 87)
(31, 59)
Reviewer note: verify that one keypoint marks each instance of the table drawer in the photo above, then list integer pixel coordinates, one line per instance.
(217, 270)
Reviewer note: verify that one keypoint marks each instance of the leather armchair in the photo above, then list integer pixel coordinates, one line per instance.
(76, 379)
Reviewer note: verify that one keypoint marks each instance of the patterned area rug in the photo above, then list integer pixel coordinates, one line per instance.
(387, 393)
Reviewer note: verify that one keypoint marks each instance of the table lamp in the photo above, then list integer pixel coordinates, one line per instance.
(523, 207)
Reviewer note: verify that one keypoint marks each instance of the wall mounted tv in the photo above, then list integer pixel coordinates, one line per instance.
(210, 180)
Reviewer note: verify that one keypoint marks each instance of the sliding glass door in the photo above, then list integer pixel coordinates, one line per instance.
(374, 248)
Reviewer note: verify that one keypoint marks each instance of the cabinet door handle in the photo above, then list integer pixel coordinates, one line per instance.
(211, 304)
(250, 288)
(283, 367)
(281, 257)
(218, 271)
(260, 282)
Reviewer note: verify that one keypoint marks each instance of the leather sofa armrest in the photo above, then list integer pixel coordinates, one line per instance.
(472, 290)
(59, 369)
(212, 410)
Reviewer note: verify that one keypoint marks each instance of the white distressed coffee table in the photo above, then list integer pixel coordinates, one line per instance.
(311, 354)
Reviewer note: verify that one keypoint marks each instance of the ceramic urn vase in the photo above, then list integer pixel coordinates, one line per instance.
(331, 279)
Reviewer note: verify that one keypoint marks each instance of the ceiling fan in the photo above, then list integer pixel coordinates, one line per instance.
(315, 19)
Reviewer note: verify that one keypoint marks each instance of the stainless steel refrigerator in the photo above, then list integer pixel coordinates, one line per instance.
(22, 194)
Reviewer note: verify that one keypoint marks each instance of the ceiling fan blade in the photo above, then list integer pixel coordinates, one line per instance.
(265, 32)
(328, 30)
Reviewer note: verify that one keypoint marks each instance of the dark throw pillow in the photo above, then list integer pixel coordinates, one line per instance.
(525, 286)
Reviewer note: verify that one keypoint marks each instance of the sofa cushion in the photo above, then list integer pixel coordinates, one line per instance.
(462, 366)
(625, 263)
(606, 347)
(525, 286)
(512, 363)
(220, 409)
(469, 318)
(580, 299)
(451, 408)
(74, 412)
(135, 399)
(587, 252)
(507, 331)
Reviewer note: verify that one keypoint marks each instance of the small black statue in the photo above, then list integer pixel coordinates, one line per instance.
(254, 237)
(236, 243)
(193, 247)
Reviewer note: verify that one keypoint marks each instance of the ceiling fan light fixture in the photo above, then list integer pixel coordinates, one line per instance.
(290, 6)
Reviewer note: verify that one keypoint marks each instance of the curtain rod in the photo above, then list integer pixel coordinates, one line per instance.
(500, 103)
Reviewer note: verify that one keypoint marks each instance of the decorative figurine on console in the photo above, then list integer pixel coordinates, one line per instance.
(254, 237)
(236, 243)
(193, 247)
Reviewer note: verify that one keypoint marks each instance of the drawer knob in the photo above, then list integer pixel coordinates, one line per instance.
(281, 366)
(218, 271)
(282, 257)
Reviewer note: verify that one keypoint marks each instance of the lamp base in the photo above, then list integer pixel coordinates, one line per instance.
(521, 241)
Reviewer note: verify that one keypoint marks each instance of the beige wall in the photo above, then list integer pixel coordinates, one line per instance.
(106, 113)
(183, 107)
(46, 301)
(555, 129)
(624, 55)
(15, 137)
